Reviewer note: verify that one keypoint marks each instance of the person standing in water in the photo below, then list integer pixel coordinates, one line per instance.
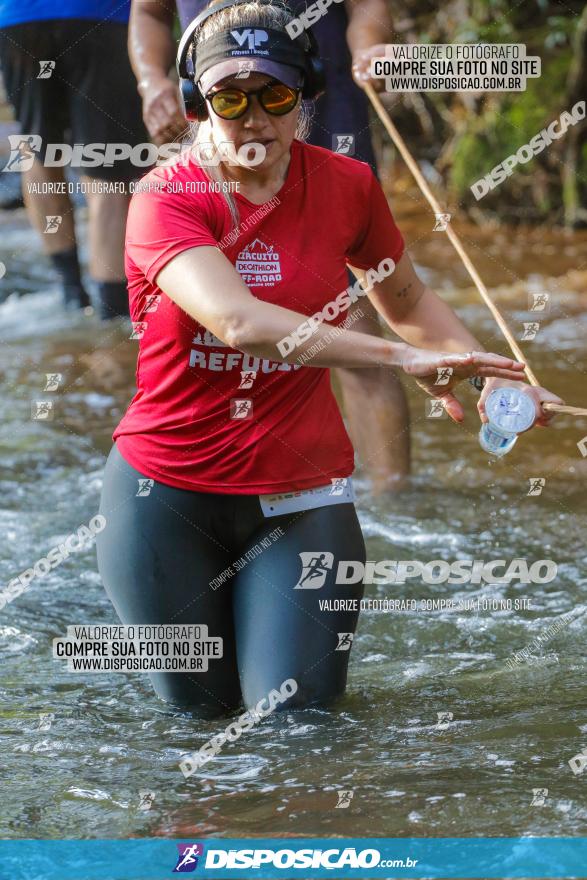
(67, 74)
(348, 34)
(213, 519)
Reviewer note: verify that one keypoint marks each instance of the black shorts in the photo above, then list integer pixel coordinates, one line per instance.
(184, 557)
(91, 95)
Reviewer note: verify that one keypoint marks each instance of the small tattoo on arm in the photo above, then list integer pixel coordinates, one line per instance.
(404, 290)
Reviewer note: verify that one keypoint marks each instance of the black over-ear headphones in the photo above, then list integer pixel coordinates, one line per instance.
(194, 102)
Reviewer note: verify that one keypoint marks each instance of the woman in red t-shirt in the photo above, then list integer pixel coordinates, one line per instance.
(227, 494)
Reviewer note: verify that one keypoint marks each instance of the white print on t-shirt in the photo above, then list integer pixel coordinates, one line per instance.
(221, 362)
(207, 338)
(259, 265)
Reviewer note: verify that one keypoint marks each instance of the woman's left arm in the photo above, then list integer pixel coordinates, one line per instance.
(420, 317)
(416, 313)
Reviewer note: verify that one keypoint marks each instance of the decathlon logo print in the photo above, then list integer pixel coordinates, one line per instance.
(259, 265)
(187, 860)
(315, 567)
(23, 151)
(253, 38)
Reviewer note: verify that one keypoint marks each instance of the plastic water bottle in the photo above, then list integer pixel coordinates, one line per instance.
(510, 411)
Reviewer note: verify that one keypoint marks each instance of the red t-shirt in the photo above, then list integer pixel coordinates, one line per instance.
(186, 425)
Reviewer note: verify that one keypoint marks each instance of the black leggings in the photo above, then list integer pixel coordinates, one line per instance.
(159, 553)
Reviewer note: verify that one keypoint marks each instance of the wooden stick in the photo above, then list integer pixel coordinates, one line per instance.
(458, 246)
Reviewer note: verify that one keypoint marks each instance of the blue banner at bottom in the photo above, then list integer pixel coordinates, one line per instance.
(304, 858)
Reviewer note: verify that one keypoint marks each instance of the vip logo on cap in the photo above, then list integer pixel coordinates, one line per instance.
(255, 38)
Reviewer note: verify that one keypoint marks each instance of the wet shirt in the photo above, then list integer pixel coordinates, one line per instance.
(344, 108)
(205, 416)
(12, 12)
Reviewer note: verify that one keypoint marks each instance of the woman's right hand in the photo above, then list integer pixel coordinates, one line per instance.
(438, 372)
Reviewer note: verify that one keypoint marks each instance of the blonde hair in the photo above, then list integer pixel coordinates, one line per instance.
(252, 12)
